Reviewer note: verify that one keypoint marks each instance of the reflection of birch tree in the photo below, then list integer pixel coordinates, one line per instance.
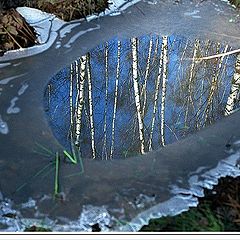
(141, 89)
(80, 99)
(200, 100)
(104, 151)
(157, 92)
(136, 92)
(190, 92)
(115, 99)
(144, 88)
(91, 105)
(164, 88)
(214, 84)
(71, 98)
(235, 89)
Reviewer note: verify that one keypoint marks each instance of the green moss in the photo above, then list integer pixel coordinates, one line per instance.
(236, 2)
(218, 211)
(37, 229)
(195, 220)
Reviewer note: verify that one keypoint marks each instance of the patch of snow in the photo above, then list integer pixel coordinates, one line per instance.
(3, 126)
(68, 29)
(143, 200)
(31, 203)
(228, 2)
(7, 80)
(13, 109)
(76, 36)
(153, 2)
(237, 142)
(196, 16)
(23, 89)
(192, 14)
(2, 65)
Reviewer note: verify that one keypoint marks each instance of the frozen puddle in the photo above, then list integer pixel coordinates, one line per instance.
(148, 110)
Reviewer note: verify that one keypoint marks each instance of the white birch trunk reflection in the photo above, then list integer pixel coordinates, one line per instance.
(80, 99)
(136, 93)
(164, 89)
(104, 150)
(144, 88)
(189, 98)
(235, 89)
(140, 96)
(115, 99)
(90, 100)
(157, 93)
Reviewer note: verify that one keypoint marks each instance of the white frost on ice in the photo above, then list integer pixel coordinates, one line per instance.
(31, 203)
(193, 14)
(74, 38)
(7, 80)
(13, 109)
(3, 126)
(23, 89)
(153, 2)
(2, 65)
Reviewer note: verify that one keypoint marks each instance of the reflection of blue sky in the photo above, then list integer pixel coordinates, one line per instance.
(126, 125)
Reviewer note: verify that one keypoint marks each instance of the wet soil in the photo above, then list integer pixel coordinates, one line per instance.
(15, 33)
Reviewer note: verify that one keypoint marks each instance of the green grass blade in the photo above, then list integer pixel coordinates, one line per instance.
(41, 153)
(56, 183)
(47, 173)
(32, 177)
(73, 160)
(46, 150)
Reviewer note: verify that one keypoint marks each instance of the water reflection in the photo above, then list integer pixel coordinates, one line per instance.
(132, 96)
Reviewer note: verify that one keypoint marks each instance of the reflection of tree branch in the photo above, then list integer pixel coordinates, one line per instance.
(172, 131)
(115, 99)
(144, 88)
(157, 86)
(202, 86)
(214, 84)
(217, 55)
(189, 98)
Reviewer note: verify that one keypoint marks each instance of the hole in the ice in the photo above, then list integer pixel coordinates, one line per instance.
(132, 96)
(96, 228)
